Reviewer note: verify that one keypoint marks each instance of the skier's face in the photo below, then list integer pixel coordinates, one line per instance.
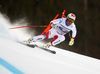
(69, 21)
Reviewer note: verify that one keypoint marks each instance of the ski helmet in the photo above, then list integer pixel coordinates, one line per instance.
(71, 16)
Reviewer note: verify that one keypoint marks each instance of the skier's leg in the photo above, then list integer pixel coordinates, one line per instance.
(48, 35)
(50, 43)
(38, 38)
(57, 39)
(52, 32)
(34, 39)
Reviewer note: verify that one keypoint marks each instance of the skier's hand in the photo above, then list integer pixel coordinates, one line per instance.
(54, 26)
(71, 42)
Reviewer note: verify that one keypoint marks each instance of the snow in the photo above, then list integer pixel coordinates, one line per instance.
(37, 61)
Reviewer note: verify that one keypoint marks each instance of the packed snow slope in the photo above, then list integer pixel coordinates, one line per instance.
(16, 58)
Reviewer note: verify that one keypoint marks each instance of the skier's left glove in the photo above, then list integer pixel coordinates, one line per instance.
(71, 42)
(54, 26)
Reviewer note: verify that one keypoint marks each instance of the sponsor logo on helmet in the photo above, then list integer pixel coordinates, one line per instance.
(73, 15)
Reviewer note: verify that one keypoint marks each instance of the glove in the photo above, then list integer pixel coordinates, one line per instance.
(54, 26)
(71, 42)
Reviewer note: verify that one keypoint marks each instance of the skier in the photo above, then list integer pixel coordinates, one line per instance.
(60, 27)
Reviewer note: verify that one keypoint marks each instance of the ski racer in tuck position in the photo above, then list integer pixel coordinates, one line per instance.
(60, 27)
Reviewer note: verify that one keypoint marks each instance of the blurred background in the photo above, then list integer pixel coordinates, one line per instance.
(41, 12)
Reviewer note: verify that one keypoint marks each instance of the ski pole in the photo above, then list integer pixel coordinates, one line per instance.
(63, 14)
(69, 36)
(27, 26)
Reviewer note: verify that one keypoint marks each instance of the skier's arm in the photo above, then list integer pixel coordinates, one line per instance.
(55, 22)
(74, 31)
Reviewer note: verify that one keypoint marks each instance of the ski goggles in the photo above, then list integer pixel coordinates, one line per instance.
(71, 20)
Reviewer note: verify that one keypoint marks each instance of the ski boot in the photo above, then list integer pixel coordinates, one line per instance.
(30, 40)
(47, 45)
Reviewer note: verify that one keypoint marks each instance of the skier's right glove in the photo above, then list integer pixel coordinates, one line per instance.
(54, 26)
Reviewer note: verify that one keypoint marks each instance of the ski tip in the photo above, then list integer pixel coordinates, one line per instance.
(31, 45)
(54, 52)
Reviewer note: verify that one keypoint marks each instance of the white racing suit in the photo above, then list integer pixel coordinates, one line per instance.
(57, 33)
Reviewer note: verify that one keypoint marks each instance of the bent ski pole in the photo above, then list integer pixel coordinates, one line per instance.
(49, 26)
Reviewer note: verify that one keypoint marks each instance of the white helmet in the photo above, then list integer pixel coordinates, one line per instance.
(71, 16)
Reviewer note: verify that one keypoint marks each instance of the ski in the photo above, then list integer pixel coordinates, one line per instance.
(35, 45)
(52, 51)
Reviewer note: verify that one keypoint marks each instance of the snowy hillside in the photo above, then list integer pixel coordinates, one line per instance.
(36, 61)
(16, 58)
